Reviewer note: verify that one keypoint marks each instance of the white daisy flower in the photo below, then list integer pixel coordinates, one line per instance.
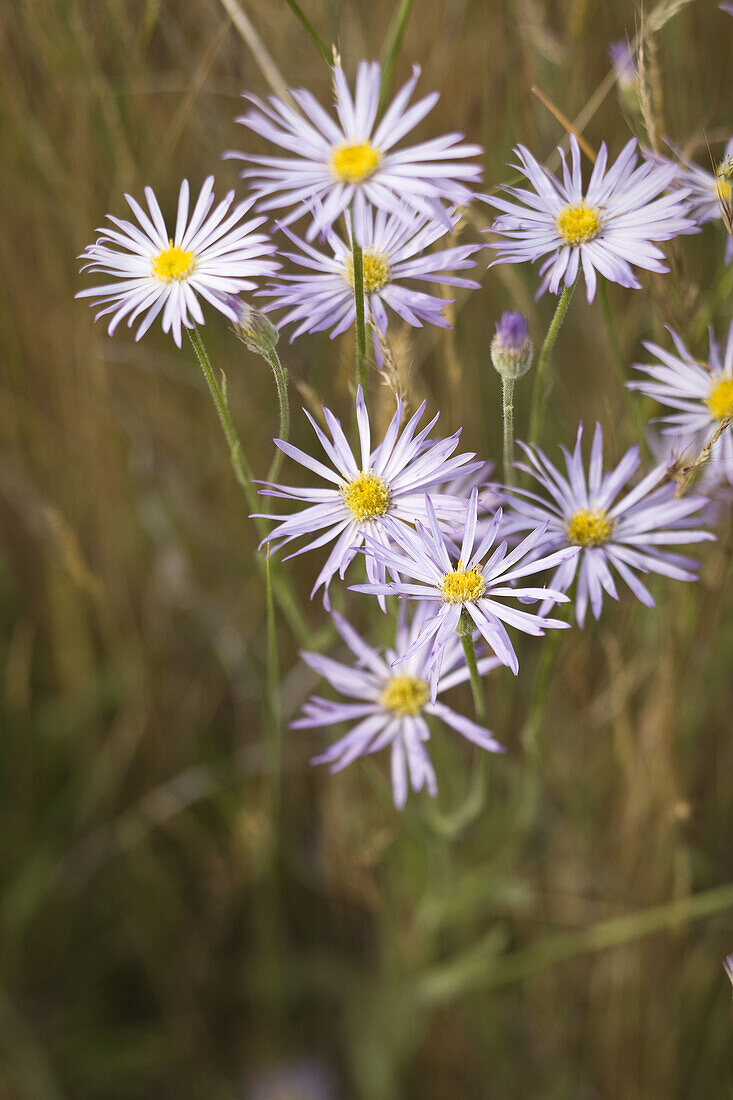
(388, 707)
(604, 228)
(381, 490)
(625, 535)
(700, 393)
(210, 254)
(394, 255)
(353, 157)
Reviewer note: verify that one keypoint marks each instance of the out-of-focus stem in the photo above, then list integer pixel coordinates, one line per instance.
(281, 382)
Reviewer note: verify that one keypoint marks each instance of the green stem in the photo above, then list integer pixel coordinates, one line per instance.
(275, 707)
(283, 591)
(465, 632)
(507, 405)
(358, 258)
(539, 393)
(391, 49)
(281, 382)
(311, 31)
(241, 467)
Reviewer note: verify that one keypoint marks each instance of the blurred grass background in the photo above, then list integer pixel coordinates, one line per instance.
(158, 937)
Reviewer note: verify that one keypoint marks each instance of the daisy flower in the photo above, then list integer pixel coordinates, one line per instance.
(394, 256)
(377, 493)
(389, 707)
(622, 534)
(211, 255)
(353, 157)
(709, 193)
(605, 229)
(467, 585)
(701, 394)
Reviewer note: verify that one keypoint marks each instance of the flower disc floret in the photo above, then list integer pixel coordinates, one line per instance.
(578, 223)
(376, 270)
(405, 695)
(367, 496)
(586, 528)
(463, 585)
(355, 163)
(720, 401)
(173, 264)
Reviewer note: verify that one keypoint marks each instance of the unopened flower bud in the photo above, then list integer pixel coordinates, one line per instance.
(511, 348)
(628, 78)
(253, 327)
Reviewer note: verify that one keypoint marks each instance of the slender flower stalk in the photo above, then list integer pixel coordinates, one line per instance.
(240, 465)
(465, 632)
(282, 590)
(358, 257)
(539, 393)
(257, 332)
(507, 408)
(281, 384)
(511, 354)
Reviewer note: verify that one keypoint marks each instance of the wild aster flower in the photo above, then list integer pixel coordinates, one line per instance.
(605, 228)
(353, 158)
(389, 707)
(210, 255)
(380, 492)
(701, 392)
(709, 195)
(467, 585)
(624, 536)
(394, 255)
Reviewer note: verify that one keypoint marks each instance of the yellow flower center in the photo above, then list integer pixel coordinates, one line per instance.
(173, 264)
(589, 528)
(366, 496)
(720, 399)
(376, 270)
(405, 695)
(463, 585)
(355, 163)
(578, 224)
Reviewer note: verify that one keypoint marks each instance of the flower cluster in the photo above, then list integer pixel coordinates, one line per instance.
(471, 567)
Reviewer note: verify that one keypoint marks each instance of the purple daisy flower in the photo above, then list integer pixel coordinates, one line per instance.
(467, 586)
(375, 495)
(605, 228)
(701, 394)
(391, 707)
(339, 161)
(624, 536)
(394, 255)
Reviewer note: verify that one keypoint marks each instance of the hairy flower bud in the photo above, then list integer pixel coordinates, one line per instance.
(511, 348)
(254, 328)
